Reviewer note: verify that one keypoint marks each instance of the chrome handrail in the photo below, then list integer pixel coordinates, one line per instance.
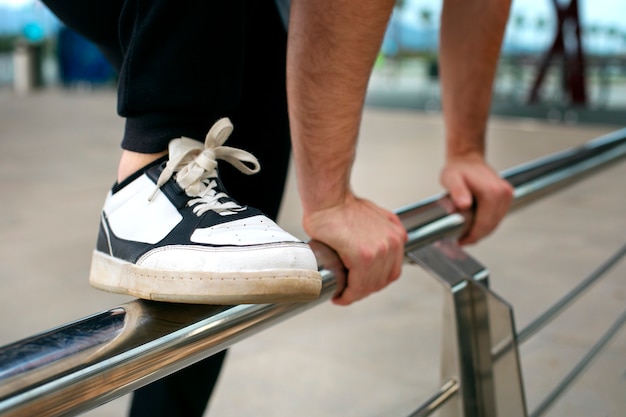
(86, 363)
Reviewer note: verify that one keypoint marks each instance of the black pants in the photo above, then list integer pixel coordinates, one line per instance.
(183, 65)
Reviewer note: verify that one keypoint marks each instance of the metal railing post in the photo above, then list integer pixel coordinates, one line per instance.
(475, 322)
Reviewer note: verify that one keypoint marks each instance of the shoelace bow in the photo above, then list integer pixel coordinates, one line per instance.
(195, 168)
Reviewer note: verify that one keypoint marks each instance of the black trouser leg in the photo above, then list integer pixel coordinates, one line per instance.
(261, 127)
(181, 67)
(182, 394)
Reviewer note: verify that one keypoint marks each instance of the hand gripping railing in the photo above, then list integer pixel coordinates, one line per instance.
(81, 365)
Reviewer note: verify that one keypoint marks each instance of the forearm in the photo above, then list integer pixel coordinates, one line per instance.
(471, 37)
(332, 47)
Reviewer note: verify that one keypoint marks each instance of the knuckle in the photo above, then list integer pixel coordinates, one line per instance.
(367, 255)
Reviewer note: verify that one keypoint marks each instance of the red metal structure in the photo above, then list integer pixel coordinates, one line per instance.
(568, 46)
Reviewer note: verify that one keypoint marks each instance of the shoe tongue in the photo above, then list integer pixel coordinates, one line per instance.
(220, 185)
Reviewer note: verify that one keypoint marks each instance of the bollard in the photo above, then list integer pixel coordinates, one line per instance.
(27, 67)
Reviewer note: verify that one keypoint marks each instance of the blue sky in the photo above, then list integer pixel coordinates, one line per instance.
(608, 12)
(605, 12)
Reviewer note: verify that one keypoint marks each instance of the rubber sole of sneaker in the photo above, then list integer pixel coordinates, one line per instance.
(225, 288)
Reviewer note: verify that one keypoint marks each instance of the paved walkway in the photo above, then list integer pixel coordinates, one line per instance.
(378, 358)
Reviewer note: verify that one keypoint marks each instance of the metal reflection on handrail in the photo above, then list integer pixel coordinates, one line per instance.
(67, 370)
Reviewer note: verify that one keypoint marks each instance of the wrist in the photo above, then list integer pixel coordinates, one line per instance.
(315, 201)
(465, 131)
(466, 155)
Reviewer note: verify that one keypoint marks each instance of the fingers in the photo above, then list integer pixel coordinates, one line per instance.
(376, 261)
(369, 240)
(459, 192)
(492, 203)
(373, 268)
(490, 195)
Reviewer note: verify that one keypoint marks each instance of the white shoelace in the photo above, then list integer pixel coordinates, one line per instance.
(195, 168)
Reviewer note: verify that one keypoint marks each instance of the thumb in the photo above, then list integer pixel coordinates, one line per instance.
(459, 192)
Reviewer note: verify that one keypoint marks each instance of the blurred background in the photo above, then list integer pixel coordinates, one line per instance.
(37, 51)
(580, 76)
(59, 148)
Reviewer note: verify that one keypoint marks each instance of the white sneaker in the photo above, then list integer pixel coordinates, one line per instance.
(171, 233)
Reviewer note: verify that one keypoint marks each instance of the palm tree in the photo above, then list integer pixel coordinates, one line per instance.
(540, 25)
(612, 34)
(426, 16)
(519, 21)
